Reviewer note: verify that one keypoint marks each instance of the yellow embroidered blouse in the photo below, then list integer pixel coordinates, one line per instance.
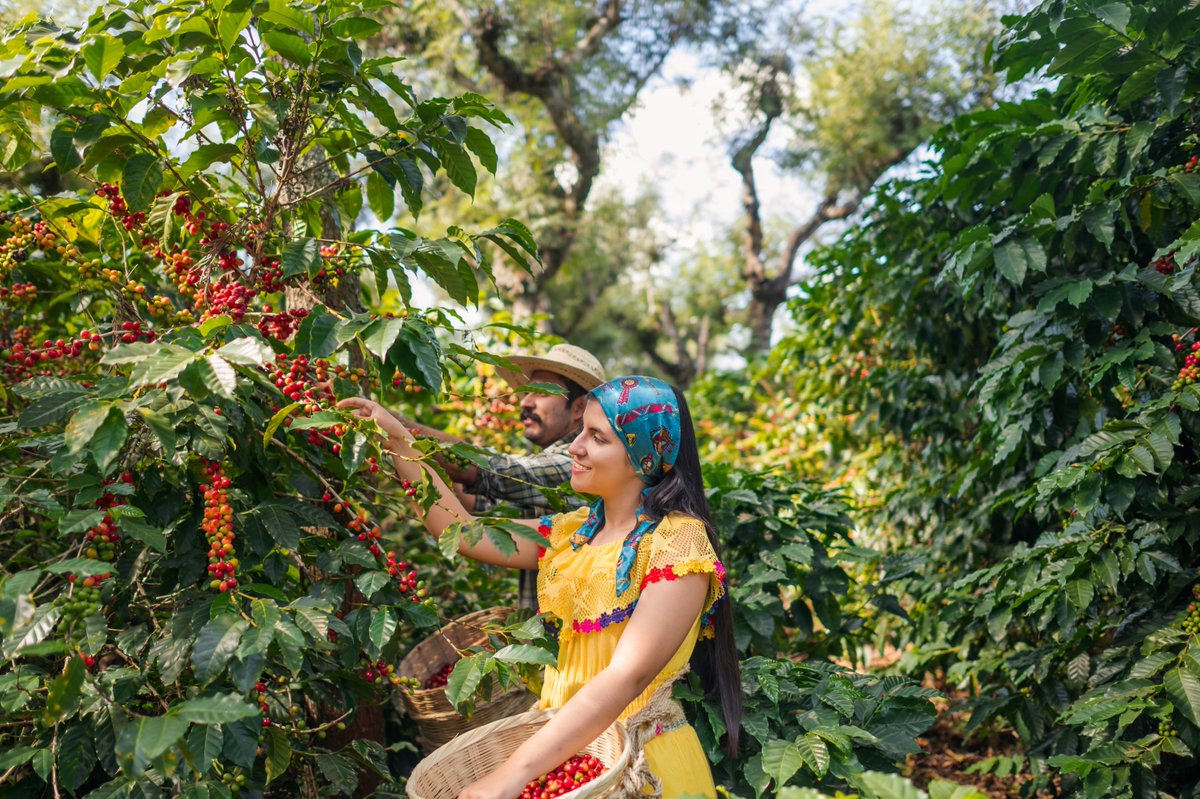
(577, 589)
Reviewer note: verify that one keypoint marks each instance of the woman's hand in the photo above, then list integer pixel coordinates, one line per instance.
(370, 409)
(497, 785)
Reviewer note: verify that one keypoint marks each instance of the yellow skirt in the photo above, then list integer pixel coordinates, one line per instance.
(677, 758)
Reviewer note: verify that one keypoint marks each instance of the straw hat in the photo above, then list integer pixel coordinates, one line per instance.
(565, 360)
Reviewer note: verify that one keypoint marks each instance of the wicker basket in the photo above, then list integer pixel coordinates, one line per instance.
(437, 720)
(443, 774)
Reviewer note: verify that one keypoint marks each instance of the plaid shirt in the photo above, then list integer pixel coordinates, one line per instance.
(515, 479)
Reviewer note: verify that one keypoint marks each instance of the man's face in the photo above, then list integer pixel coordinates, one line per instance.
(547, 418)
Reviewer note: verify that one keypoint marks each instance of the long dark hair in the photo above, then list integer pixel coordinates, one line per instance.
(714, 660)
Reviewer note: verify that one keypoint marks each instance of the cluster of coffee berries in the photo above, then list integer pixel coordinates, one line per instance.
(439, 678)
(132, 331)
(234, 779)
(193, 224)
(406, 578)
(408, 488)
(270, 276)
(102, 540)
(405, 383)
(302, 380)
(22, 361)
(1164, 265)
(224, 298)
(1166, 729)
(380, 672)
(1192, 164)
(117, 207)
(366, 531)
(1190, 371)
(578, 770)
(180, 267)
(1191, 621)
(18, 293)
(216, 231)
(281, 326)
(218, 529)
(81, 601)
(229, 261)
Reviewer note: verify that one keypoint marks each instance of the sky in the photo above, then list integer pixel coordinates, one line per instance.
(674, 140)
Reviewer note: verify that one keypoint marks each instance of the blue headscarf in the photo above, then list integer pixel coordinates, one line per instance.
(644, 414)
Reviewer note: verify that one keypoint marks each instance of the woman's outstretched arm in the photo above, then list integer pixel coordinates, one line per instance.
(664, 616)
(447, 510)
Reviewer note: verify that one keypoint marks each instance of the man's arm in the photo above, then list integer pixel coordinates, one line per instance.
(519, 478)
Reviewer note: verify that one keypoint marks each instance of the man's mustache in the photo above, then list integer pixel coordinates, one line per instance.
(530, 415)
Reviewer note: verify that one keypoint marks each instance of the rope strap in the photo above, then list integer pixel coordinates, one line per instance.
(661, 714)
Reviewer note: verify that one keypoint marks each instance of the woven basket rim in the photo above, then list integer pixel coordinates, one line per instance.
(439, 638)
(472, 738)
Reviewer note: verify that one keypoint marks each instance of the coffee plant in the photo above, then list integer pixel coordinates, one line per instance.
(1029, 418)
(199, 595)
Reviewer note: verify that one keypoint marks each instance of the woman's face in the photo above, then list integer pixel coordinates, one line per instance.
(601, 464)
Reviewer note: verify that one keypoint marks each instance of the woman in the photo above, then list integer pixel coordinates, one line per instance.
(634, 580)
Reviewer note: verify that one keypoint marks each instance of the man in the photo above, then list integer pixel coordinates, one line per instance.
(551, 421)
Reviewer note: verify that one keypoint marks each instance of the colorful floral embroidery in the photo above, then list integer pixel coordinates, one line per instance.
(673, 571)
(605, 619)
(544, 529)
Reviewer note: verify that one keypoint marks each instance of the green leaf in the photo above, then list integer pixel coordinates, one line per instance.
(108, 440)
(167, 363)
(63, 691)
(381, 334)
(206, 155)
(277, 420)
(1183, 688)
(381, 197)
(279, 753)
(340, 772)
(146, 739)
(215, 644)
(84, 424)
(1017, 255)
(162, 428)
(383, 626)
(16, 756)
(1115, 15)
(525, 653)
(84, 567)
(781, 760)
(130, 353)
(478, 142)
(62, 146)
(300, 257)
(102, 55)
(215, 709)
(888, 786)
(205, 742)
(815, 753)
(288, 45)
(468, 673)
(355, 28)
(46, 410)
(247, 351)
(231, 25)
(457, 164)
(219, 376)
(281, 12)
(141, 180)
(318, 336)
